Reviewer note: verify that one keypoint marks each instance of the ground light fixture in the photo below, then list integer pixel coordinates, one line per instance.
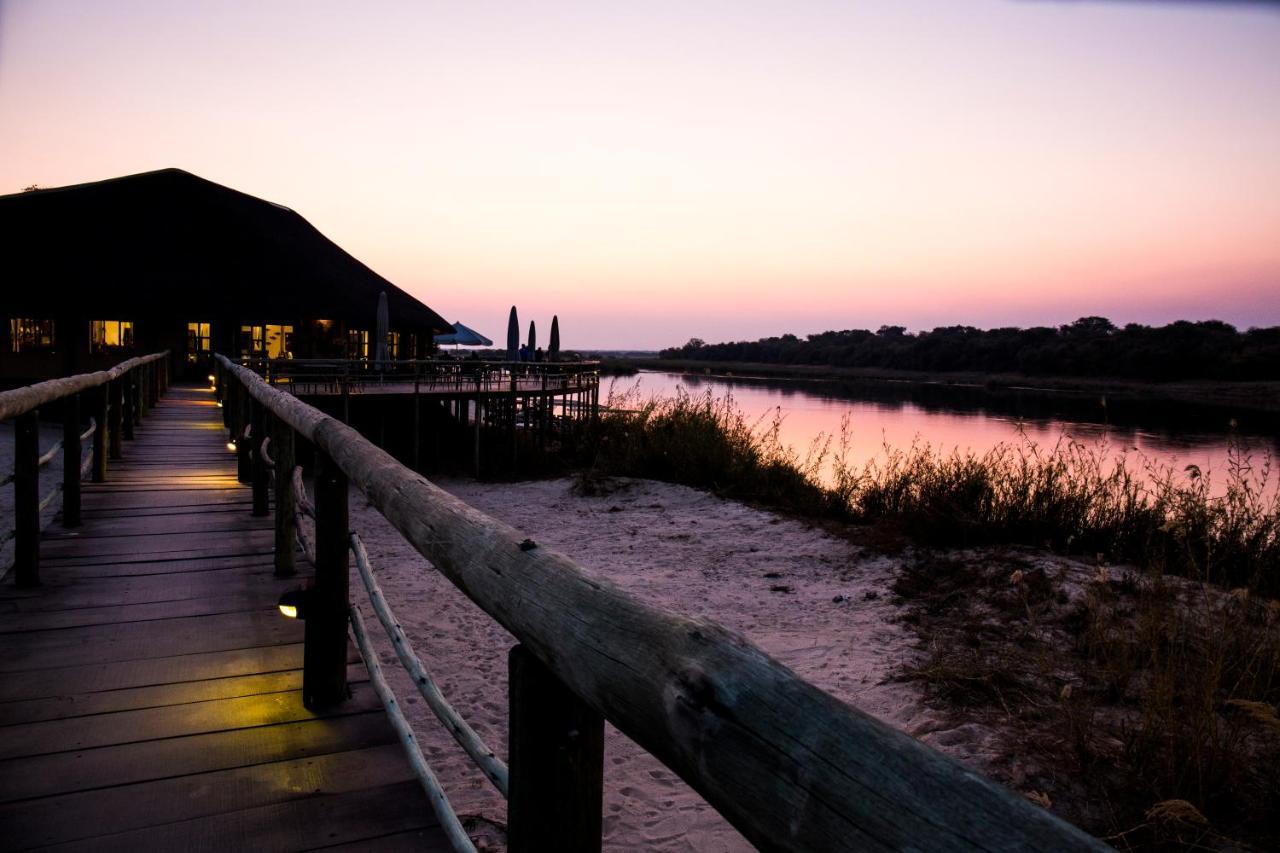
(231, 445)
(293, 604)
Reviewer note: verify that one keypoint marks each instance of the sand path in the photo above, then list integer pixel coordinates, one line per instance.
(818, 603)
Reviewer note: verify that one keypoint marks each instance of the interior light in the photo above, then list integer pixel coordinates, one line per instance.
(212, 378)
(231, 445)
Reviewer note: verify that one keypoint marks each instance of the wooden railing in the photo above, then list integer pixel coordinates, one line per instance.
(306, 376)
(117, 399)
(790, 766)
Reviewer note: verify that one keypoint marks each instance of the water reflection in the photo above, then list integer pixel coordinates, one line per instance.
(971, 418)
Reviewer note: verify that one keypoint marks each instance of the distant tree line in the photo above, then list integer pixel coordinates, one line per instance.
(1091, 346)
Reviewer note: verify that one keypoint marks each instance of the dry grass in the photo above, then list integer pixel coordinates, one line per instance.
(1121, 692)
(1142, 697)
(1072, 497)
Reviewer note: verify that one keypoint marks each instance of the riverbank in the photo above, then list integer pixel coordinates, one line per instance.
(1260, 397)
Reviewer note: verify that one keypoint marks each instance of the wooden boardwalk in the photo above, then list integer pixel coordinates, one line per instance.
(150, 692)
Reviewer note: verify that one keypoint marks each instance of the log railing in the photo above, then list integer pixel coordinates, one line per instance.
(790, 766)
(116, 400)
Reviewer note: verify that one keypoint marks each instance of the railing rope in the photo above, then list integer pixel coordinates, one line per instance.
(471, 743)
(435, 793)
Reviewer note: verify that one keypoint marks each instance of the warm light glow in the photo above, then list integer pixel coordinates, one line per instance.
(231, 445)
(212, 378)
(289, 610)
(219, 404)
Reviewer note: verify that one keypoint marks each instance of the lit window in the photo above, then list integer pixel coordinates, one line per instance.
(252, 341)
(26, 334)
(197, 341)
(393, 345)
(109, 335)
(357, 343)
(279, 341)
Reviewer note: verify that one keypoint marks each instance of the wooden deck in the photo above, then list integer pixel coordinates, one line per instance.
(150, 692)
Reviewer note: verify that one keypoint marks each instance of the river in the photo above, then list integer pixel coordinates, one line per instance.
(971, 418)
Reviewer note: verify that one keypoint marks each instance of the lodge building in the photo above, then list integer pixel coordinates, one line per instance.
(94, 273)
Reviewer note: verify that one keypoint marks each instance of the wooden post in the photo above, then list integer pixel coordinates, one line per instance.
(417, 424)
(282, 454)
(324, 657)
(261, 501)
(477, 440)
(135, 395)
(102, 403)
(244, 463)
(220, 393)
(117, 419)
(26, 499)
(128, 405)
(143, 384)
(71, 460)
(556, 751)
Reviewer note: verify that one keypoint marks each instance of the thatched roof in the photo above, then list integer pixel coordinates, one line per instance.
(168, 242)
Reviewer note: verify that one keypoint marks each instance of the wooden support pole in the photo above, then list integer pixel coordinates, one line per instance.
(101, 397)
(134, 379)
(221, 394)
(244, 462)
(417, 425)
(117, 418)
(26, 499)
(324, 657)
(479, 419)
(261, 499)
(282, 454)
(143, 384)
(556, 754)
(71, 460)
(128, 406)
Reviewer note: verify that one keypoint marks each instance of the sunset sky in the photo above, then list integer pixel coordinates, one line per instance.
(655, 171)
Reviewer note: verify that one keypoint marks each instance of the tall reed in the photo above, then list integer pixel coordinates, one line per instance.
(1071, 497)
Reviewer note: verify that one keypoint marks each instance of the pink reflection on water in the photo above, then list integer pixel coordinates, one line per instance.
(875, 425)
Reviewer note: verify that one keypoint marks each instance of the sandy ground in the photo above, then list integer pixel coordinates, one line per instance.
(818, 603)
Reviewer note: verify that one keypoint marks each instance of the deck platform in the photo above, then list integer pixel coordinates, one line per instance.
(150, 692)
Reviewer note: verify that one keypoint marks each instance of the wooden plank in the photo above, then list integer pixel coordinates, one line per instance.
(117, 564)
(90, 814)
(174, 580)
(186, 636)
(89, 678)
(411, 841)
(262, 596)
(209, 524)
(163, 543)
(67, 772)
(318, 821)
(156, 695)
(216, 715)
